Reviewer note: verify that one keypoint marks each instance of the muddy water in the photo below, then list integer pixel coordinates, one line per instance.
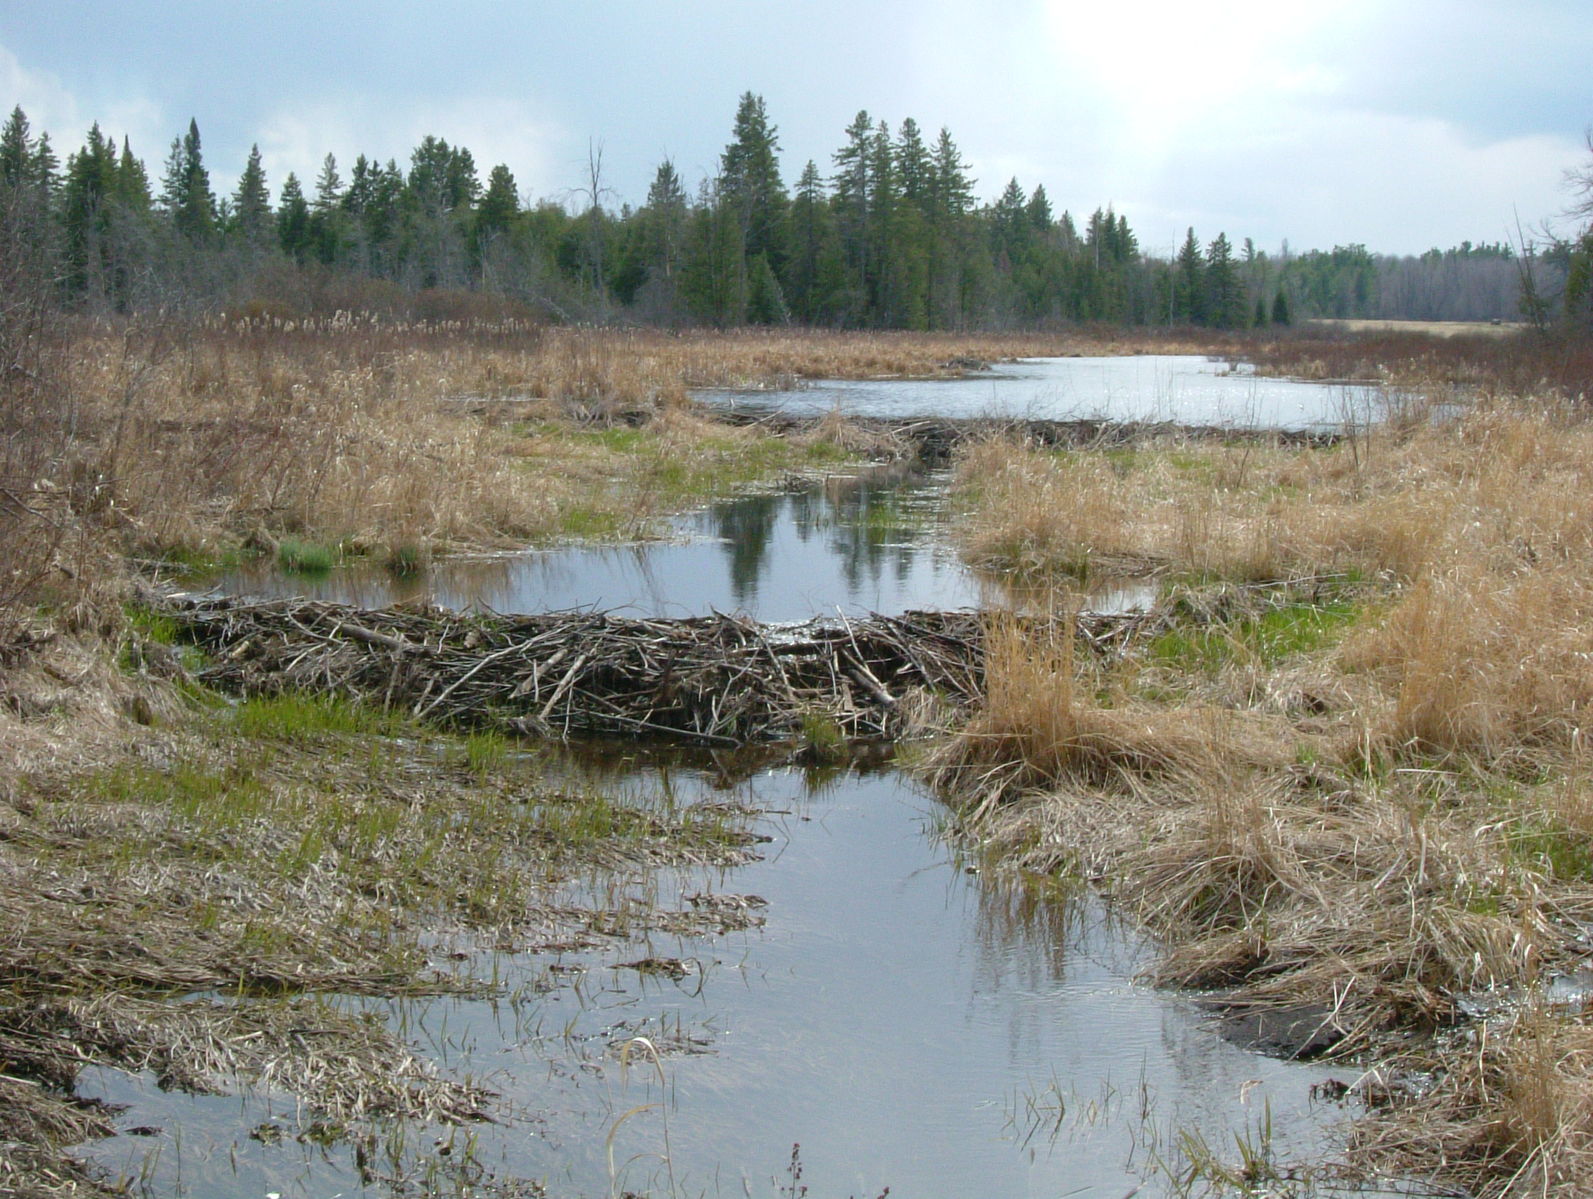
(1183, 389)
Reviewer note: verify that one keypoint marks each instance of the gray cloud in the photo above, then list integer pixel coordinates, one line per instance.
(1398, 124)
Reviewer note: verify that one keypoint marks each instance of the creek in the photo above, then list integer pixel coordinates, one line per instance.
(907, 1021)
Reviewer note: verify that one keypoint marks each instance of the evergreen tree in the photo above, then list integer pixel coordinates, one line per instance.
(132, 181)
(1225, 305)
(88, 211)
(915, 168)
(185, 189)
(45, 163)
(714, 273)
(16, 150)
(765, 300)
(251, 204)
(852, 186)
(1189, 283)
(1280, 309)
(950, 200)
(749, 181)
(889, 283)
(811, 230)
(661, 243)
(329, 226)
(293, 220)
(501, 201)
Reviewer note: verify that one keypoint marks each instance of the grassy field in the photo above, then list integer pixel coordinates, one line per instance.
(1344, 771)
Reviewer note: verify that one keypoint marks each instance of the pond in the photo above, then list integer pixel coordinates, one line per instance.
(1180, 389)
(860, 543)
(907, 1022)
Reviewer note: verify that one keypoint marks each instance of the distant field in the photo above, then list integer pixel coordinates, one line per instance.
(1437, 328)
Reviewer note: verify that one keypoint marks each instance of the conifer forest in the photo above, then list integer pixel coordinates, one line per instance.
(892, 232)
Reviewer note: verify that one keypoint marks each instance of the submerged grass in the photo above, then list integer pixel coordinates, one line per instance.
(285, 847)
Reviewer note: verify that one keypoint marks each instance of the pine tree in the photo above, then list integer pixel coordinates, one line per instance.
(915, 168)
(749, 181)
(1225, 306)
(1189, 283)
(500, 204)
(251, 203)
(660, 243)
(889, 283)
(852, 186)
(16, 150)
(132, 181)
(714, 272)
(950, 200)
(293, 220)
(329, 227)
(1280, 309)
(87, 214)
(814, 248)
(185, 189)
(46, 166)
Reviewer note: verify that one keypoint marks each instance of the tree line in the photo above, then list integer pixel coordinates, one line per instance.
(888, 234)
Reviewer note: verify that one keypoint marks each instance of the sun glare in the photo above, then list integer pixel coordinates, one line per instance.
(1166, 64)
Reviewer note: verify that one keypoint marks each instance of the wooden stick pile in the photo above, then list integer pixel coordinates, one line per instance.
(713, 680)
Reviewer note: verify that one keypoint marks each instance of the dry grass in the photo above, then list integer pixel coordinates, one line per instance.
(267, 852)
(1375, 805)
(379, 437)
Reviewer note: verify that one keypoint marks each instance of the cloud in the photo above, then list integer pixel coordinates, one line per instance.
(298, 136)
(52, 107)
(1398, 184)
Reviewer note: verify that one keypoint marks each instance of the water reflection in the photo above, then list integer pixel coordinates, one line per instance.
(895, 1015)
(860, 543)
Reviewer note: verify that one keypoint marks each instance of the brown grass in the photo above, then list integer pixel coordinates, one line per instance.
(379, 436)
(1387, 822)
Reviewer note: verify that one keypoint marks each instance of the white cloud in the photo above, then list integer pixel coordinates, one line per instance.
(52, 107)
(1397, 184)
(297, 137)
(43, 97)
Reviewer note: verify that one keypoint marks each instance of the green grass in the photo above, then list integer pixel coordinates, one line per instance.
(822, 737)
(150, 624)
(305, 557)
(405, 559)
(485, 752)
(648, 477)
(1268, 639)
(1563, 855)
(294, 716)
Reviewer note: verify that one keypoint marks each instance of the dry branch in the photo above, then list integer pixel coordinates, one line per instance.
(717, 680)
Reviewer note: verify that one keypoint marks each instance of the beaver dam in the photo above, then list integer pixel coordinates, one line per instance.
(713, 680)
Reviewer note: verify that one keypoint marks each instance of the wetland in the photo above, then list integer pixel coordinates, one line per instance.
(1010, 950)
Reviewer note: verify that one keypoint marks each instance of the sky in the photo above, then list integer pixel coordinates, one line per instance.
(1397, 124)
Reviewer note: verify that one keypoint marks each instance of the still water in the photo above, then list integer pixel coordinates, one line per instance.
(859, 543)
(909, 1023)
(1182, 389)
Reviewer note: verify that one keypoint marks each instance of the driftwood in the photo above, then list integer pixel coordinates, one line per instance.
(713, 680)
